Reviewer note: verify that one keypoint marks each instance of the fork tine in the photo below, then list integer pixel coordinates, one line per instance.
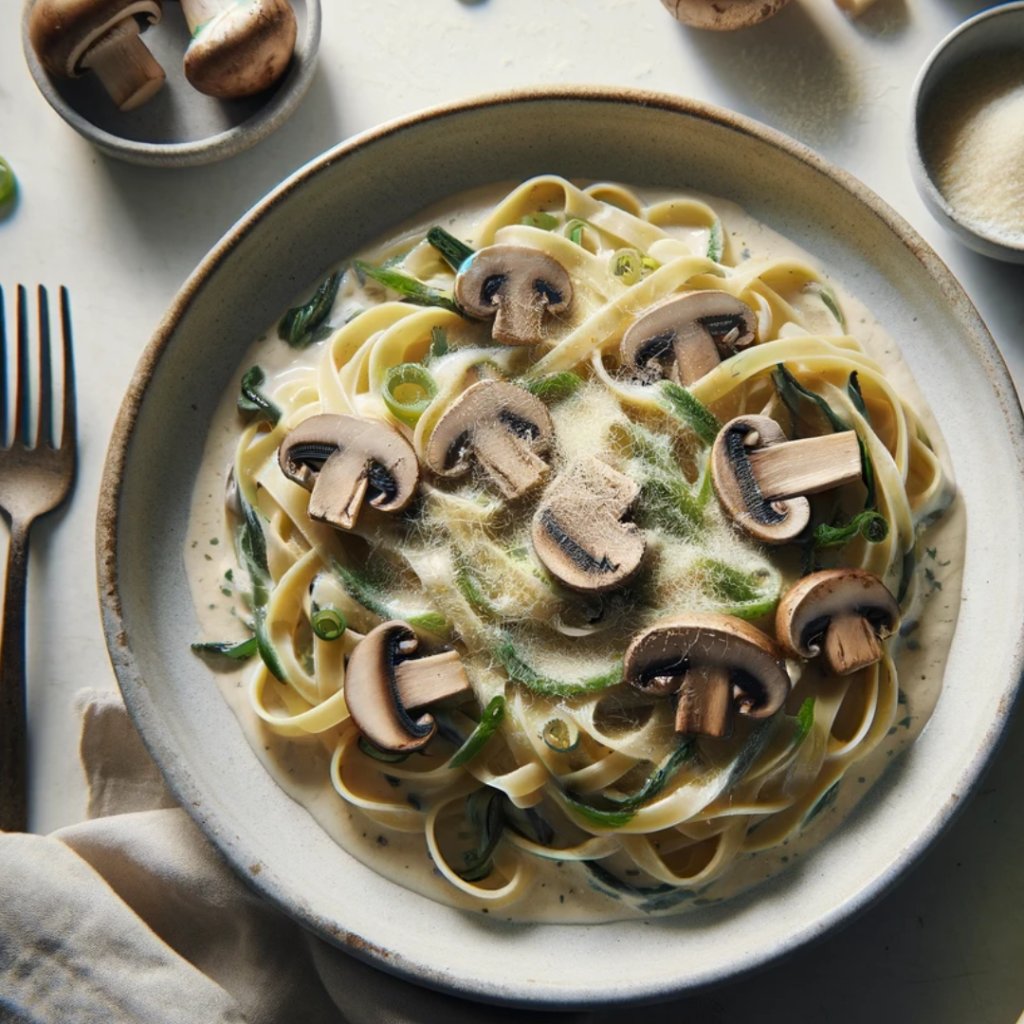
(69, 428)
(21, 424)
(44, 430)
(3, 371)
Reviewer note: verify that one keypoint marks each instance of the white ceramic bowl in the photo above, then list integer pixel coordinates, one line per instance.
(997, 29)
(340, 202)
(179, 127)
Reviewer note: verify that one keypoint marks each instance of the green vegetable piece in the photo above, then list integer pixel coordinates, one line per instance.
(8, 183)
(519, 671)
(486, 728)
(542, 220)
(387, 756)
(252, 400)
(554, 386)
(804, 721)
(365, 593)
(407, 391)
(574, 231)
(658, 779)
(832, 304)
(237, 651)
(873, 526)
(716, 242)
(408, 287)
(329, 623)
(468, 585)
(438, 343)
(907, 573)
(485, 813)
(598, 818)
(853, 390)
(825, 801)
(298, 325)
(454, 251)
(265, 647)
(561, 736)
(678, 401)
(626, 265)
(669, 503)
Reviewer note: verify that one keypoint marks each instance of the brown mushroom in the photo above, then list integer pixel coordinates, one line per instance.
(578, 532)
(516, 285)
(841, 614)
(504, 428)
(72, 36)
(344, 460)
(722, 15)
(239, 47)
(762, 479)
(384, 683)
(715, 664)
(688, 335)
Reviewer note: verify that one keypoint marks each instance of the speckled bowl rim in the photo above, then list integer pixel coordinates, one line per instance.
(923, 180)
(133, 686)
(266, 120)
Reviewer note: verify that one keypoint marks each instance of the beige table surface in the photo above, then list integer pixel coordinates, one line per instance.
(948, 944)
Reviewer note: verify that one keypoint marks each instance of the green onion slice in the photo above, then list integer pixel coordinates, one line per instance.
(407, 391)
(486, 728)
(8, 183)
(626, 265)
(561, 736)
(329, 623)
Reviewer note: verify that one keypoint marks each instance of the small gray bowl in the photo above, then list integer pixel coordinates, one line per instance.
(179, 127)
(1000, 28)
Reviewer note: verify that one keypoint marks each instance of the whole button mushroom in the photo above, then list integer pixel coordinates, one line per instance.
(72, 36)
(722, 15)
(384, 682)
(239, 47)
(841, 615)
(689, 335)
(345, 460)
(503, 428)
(578, 532)
(762, 479)
(518, 286)
(716, 665)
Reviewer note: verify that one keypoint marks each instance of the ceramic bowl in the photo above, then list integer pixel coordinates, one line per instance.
(342, 201)
(998, 29)
(179, 127)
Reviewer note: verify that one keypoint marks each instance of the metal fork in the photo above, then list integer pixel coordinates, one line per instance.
(33, 481)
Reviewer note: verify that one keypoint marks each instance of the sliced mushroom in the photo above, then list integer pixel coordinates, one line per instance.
(578, 532)
(722, 15)
(762, 479)
(689, 335)
(238, 47)
(504, 428)
(841, 614)
(516, 285)
(345, 460)
(715, 664)
(73, 36)
(384, 682)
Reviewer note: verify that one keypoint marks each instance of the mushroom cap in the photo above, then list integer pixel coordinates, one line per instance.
(243, 50)
(516, 285)
(671, 645)
(501, 424)
(578, 531)
(774, 522)
(808, 607)
(722, 15)
(371, 693)
(61, 31)
(350, 456)
(701, 320)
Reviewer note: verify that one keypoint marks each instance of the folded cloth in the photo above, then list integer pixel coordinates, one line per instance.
(133, 917)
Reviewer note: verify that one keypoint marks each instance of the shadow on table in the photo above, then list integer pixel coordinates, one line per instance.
(786, 72)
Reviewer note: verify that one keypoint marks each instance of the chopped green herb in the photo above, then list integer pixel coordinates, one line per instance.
(365, 593)
(716, 242)
(872, 526)
(251, 398)
(554, 386)
(438, 343)
(487, 727)
(519, 671)
(804, 721)
(454, 251)
(832, 304)
(853, 390)
(407, 287)
(485, 813)
(678, 401)
(299, 323)
(236, 650)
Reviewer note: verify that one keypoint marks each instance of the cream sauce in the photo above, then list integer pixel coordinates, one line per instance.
(561, 891)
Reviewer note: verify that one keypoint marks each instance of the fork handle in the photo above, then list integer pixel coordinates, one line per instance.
(13, 715)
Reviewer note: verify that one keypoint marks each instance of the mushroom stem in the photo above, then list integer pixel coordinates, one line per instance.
(696, 356)
(851, 643)
(124, 65)
(705, 702)
(422, 681)
(797, 468)
(512, 466)
(340, 488)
